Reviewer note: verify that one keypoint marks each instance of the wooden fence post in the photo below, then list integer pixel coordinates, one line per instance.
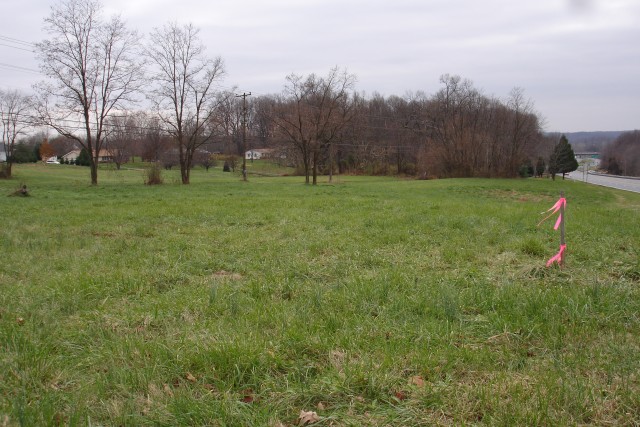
(562, 240)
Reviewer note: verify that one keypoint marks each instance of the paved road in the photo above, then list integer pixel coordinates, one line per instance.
(620, 183)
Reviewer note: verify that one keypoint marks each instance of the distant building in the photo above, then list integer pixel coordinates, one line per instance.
(3, 155)
(71, 156)
(105, 156)
(258, 153)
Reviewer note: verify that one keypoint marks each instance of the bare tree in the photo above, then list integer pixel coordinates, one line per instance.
(183, 90)
(93, 69)
(15, 109)
(525, 128)
(469, 134)
(121, 136)
(622, 156)
(313, 111)
(227, 120)
(62, 145)
(153, 140)
(261, 123)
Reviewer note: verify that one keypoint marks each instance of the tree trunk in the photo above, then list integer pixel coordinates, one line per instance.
(331, 163)
(315, 168)
(184, 172)
(307, 172)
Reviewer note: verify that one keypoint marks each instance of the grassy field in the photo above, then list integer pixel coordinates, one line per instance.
(370, 301)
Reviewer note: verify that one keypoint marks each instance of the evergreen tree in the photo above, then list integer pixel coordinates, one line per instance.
(83, 158)
(553, 165)
(36, 152)
(23, 154)
(540, 166)
(563, 159)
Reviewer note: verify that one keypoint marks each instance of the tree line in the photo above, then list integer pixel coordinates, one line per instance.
(100, 73)
(622, 156)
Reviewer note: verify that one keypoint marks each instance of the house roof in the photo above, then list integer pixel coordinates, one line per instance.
(72, 153)
(103, 153)
(261, 150)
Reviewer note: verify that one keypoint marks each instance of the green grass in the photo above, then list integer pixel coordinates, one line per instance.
(372, 301)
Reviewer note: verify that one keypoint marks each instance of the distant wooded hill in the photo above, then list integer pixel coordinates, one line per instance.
(589, 141)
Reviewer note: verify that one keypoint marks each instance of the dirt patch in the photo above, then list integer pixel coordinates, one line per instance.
(517, 196)
(222, 274)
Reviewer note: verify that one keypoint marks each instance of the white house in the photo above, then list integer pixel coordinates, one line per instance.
(3, 155)
(105, 155)
(258, 153)
(71, 155)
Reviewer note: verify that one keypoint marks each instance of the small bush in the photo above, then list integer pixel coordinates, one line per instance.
(153, 174)
(21, 191)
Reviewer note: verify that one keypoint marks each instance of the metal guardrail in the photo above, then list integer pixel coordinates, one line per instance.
(613, 176)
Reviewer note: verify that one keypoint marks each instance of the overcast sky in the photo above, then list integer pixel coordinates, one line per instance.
(577, 60)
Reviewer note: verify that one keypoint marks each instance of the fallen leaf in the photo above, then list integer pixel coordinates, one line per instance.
(320, 406)
(248, 396)
(167, 389)
(190, 377)
(417, 381)
(400, 395)
(20, 321)
(307, 417)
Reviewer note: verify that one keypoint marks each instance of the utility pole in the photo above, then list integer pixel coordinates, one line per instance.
(244, 133)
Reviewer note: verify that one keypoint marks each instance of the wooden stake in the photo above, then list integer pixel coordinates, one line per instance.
(562, 241)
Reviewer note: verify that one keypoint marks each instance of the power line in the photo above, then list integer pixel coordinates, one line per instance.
(18, 68)
(16, 47)
(17, 41)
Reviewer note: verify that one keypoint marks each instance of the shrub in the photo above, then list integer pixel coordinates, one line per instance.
(153, 174)
(22, 191)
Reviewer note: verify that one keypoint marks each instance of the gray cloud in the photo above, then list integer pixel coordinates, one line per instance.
(577, 60)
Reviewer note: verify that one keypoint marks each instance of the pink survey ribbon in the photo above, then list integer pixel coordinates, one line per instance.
(561, 203)
(557, 257)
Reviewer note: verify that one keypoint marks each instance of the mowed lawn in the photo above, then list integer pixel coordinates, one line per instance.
(369, 301)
